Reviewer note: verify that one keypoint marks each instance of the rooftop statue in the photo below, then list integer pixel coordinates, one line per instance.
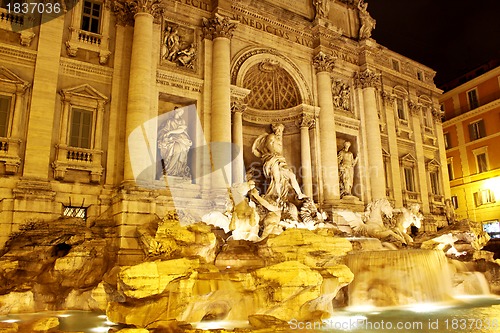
(366, 21)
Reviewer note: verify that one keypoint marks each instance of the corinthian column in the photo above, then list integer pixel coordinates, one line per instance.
(305, 154)
(368, 81)
(328, 140)
(139, 93)
(220, 30)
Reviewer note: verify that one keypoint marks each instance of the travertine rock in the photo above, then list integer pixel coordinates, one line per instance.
(286, 287)
(45, 324)
(152, 278)
(318, 248)
(17, 302)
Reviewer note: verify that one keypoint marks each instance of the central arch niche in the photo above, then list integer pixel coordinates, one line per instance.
(278, 92)
(271, 87)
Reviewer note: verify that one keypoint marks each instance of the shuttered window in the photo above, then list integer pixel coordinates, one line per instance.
(81, 128)
(477, 130)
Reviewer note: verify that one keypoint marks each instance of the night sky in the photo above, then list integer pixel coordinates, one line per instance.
(450, 36)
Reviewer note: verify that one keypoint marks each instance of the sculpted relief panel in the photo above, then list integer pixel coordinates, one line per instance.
(178, 46)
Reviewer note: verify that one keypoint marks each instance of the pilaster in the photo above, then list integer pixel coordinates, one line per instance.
(43, 98)
(420, 157)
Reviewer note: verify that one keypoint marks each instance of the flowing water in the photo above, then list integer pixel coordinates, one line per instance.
(398, 278)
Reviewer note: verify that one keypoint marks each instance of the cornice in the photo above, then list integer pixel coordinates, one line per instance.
(476, 112)
(471, 84)
(165, 77)
(85, 70)
(17, 55)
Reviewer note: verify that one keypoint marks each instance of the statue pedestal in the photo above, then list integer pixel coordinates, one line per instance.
(174, 181)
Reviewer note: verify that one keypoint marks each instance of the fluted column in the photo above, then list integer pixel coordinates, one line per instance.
(305, 154)
(237, 109)
(328, 140)
(220, 30)
(368, 81)
(139, 92)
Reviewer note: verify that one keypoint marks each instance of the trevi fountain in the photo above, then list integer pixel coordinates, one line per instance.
(272, 261)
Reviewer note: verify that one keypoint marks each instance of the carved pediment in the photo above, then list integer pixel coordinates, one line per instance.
(83, 91)
(9, 79)
(408, 158)
(433, 164)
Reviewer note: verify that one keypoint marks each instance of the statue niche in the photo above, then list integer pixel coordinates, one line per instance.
(174, 144)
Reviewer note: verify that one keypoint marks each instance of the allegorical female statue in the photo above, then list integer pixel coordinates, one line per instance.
(346, 162)
(174, 143)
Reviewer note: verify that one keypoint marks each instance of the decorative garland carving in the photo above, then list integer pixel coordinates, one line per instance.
(367, 79)
(323, 62)
(219, 26)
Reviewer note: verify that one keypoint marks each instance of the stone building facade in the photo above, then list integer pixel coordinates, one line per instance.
(83, 94)
(471, 130)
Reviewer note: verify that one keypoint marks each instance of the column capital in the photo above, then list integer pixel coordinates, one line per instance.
(437, 114)
(306, 120)
(219, 26)
(388, 98)
(237, 105)
(323, 62)
(367, 79)
(414, 107)
(125, 10)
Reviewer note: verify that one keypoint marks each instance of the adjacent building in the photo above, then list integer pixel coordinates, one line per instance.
(85, 91)
(472, 139)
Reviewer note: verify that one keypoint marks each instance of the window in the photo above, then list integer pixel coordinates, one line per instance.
(472, 99)
(434, 176)
(482, 165)
(409, 180)
(483, 197)
(395, 65)
(91, 17)
(427, 116)
(90, 29)
(477, 130)
(4, 115)
(400, 108)
(454, 201)
(447, 142)
(73, 211)
(81, 128)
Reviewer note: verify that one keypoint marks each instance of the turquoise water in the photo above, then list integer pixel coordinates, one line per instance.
(479, 314)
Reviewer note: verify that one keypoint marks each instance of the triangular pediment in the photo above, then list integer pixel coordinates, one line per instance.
(432, 163)
(85, 91)
(408, 158)
(9, 77)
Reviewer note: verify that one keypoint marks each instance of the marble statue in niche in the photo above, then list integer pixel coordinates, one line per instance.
(366, 21)
(269, 147)
(178, 46)
(347, 162)
(174, 144)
